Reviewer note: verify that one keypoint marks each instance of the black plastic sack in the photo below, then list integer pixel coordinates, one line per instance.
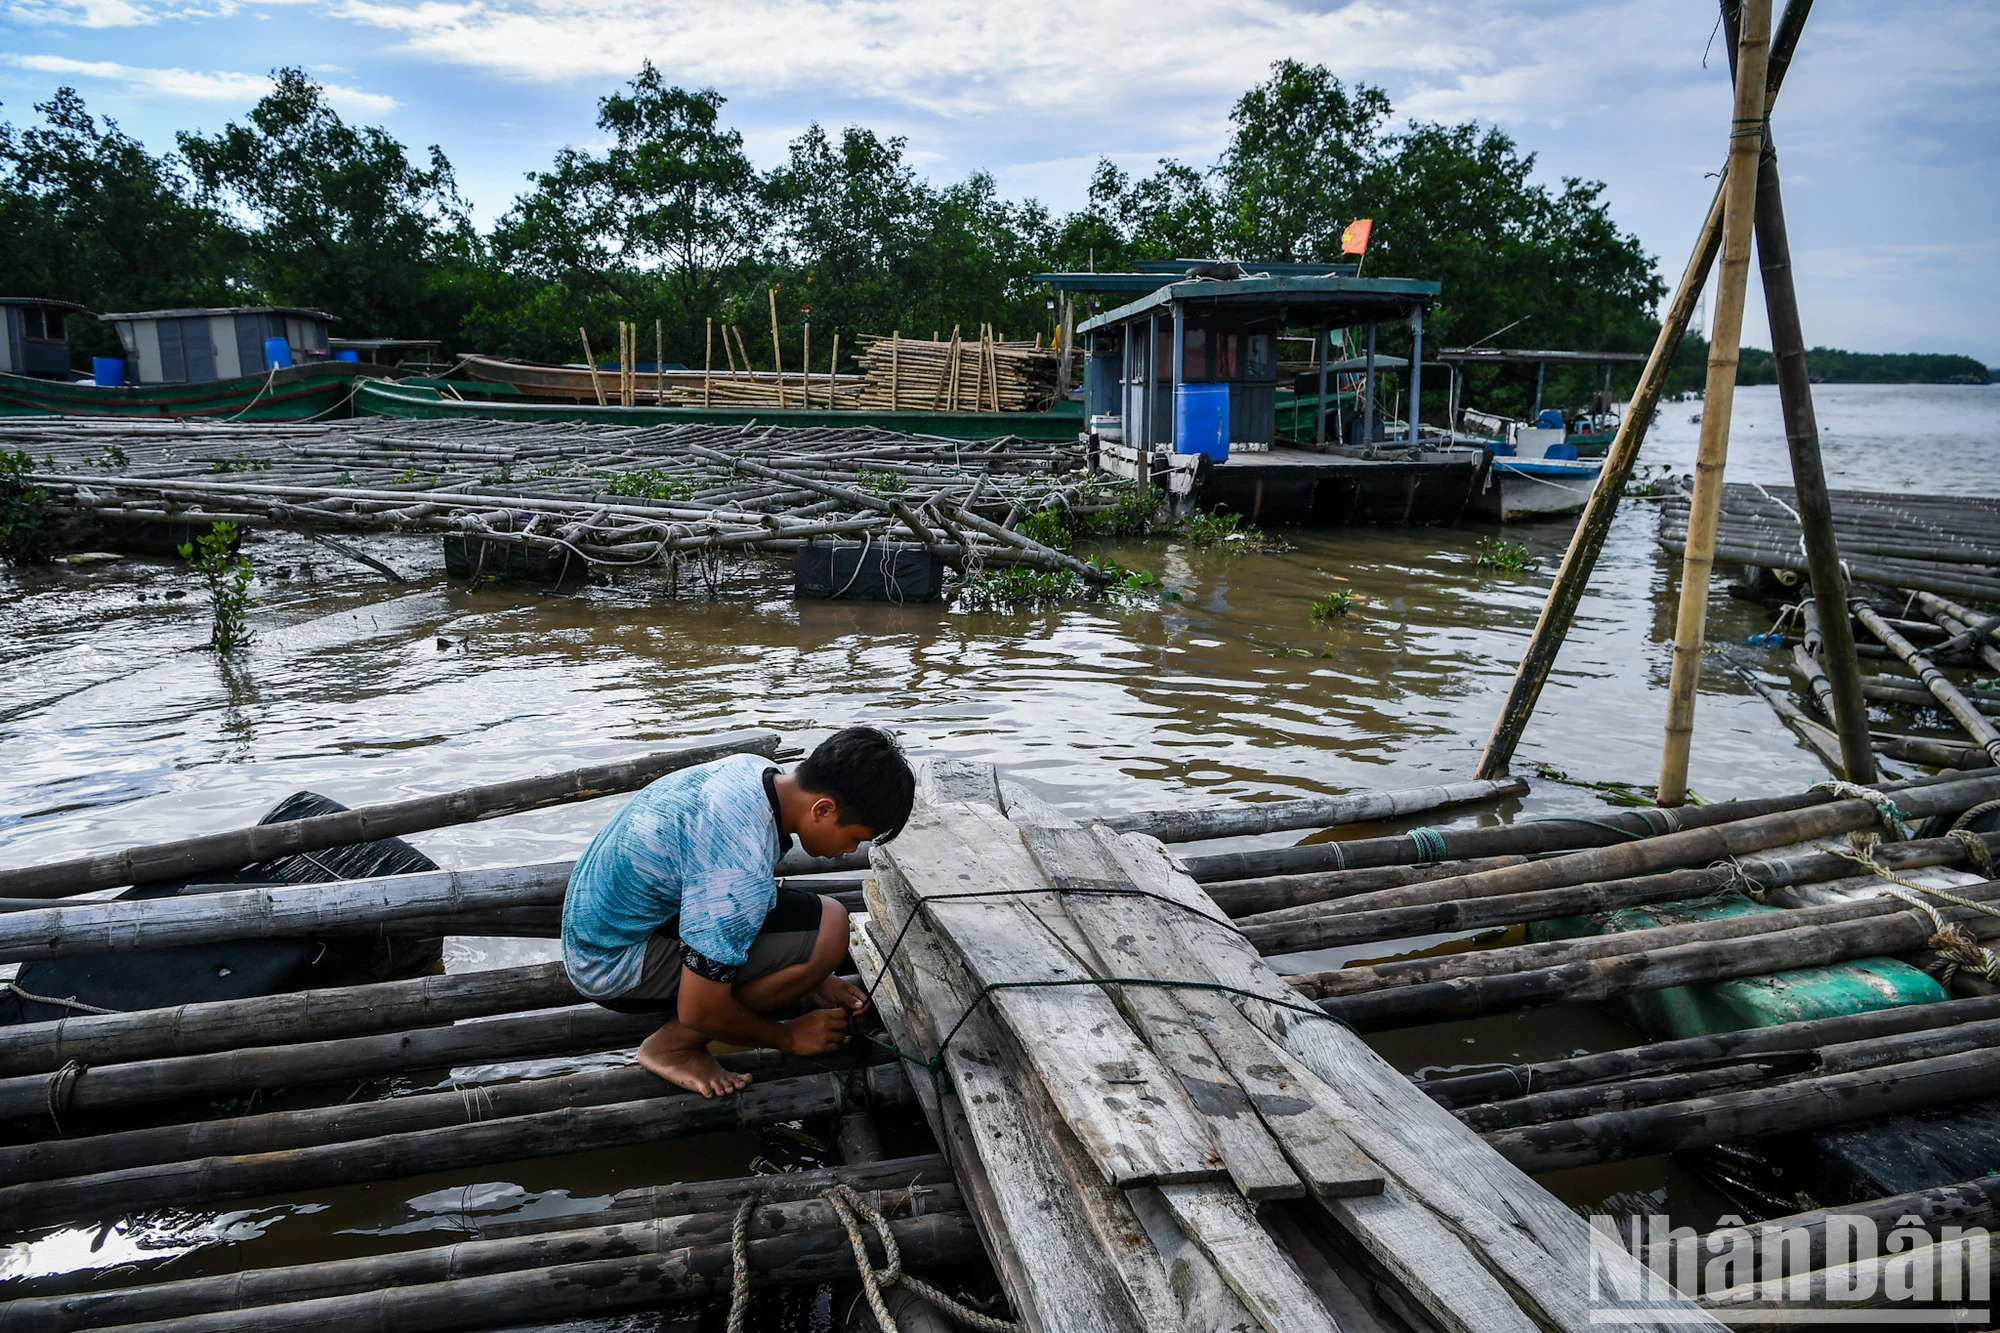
(188, 974)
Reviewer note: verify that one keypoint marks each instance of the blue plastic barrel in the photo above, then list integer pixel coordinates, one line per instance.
(107, 372)
(1551, 418)
(1201, 420)
(277, 353)
(347, 354)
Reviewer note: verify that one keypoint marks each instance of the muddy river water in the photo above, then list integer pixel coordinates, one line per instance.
(118, 730)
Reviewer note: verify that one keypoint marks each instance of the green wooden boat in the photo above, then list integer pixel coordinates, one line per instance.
(320, 390)
(402, 399)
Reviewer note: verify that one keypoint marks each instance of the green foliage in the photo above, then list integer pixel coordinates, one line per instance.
(1503, 555)
(1650, 482)
(1134, 513)
(1020, 589)
(881, 481)
(242, 464)
(347, 221)
(1612, 793)
(27, 535)
(1830, 365)
(1335, 606)
(651, 484)
(227, 576)
(113, 457)
(1050, 526)
(1228, 531)
(90, 216)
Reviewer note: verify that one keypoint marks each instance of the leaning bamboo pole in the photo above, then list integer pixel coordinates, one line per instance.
(1739, 196)
(833, 371)
(1587, 542)
(1837, 659)
(708, 357)
(269, 842)
(777, 356)
(590, 360)
(1947, 694)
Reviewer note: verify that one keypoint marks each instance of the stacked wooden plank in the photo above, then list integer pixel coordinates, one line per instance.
(957, 375)
(1127, 1092)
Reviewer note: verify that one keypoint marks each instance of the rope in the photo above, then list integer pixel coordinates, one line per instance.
(62, 1086)
(1954, 945)
(1430, 845)
(739, 1265)
(1892, 818)
(1975, 848)
(852, 1210)
(1964, 822)
(70, 1003)
(867, 536)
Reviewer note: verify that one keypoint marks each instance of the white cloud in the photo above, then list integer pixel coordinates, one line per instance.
(213, 86)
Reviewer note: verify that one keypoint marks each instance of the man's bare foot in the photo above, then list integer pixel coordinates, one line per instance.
(834, 993)
(680, 1056)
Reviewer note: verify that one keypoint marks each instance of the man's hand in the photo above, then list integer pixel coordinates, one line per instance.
(819, 1032)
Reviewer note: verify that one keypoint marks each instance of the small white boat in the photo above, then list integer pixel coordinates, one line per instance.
(1535, 474)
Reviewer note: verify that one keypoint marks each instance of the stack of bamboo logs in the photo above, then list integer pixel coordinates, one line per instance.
(957, 375)
(1944, 544)
(604, 496)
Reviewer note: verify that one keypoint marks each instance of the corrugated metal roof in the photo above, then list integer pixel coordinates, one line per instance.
(195, 312)
(42, 300)
(1349, 300)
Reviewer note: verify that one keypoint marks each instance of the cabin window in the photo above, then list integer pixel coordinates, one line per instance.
(1257, 363)
(1226, 355)
(1194, 357)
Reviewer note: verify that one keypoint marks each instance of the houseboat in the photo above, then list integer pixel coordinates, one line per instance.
(250, 363)
(34, 337)
(1182, 390)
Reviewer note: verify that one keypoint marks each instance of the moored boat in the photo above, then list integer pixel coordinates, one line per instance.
(318, 390)
(436, 399)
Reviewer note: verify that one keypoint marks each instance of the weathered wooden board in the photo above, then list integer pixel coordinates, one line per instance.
(1225, 1227)
(1079, 1258)
(1119, 930)
(1127, 1111)
(1478, 1244)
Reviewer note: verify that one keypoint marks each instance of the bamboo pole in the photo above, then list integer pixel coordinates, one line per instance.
(1312, 928)
(1772, 871)
(1495, 1085)
(590, 360)
(1961, 708)
(594, 1287)
(579, 1028)
(1813, 937)
(707, 357)
(271, 842)
(279, 1131)
(896, 370)
(1739, 190)
(781, 1208)
(269, 1020)
(1959, 621)
(659, 363)
(1806, 1103)
(653, 1119)
(833, 370)
(729, 351)
(1587, 542)
(806, 365)
(777, 356)
(1314, 812)
(1781, 303)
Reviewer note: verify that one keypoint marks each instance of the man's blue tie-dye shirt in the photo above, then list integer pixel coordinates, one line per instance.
(701, 844)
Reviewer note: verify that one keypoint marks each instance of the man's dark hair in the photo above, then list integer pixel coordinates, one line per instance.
(863, 770)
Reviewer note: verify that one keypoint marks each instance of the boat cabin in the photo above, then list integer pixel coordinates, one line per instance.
(1209, 347)
(34, 336)
(199, 346)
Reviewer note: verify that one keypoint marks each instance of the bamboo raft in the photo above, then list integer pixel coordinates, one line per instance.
(1943, 544)
(1142, 1118)
(603, 497)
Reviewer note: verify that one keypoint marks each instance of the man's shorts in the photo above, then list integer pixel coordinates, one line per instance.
(786, 939)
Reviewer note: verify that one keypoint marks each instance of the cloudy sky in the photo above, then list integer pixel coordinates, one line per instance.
(1886, 126)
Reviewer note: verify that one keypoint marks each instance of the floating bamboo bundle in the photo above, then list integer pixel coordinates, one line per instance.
(1945, 544)
(603, 496)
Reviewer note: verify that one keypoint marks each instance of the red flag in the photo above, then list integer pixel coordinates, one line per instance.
(1354, 240)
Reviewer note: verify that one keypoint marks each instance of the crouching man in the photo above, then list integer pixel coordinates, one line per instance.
(674, 910)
